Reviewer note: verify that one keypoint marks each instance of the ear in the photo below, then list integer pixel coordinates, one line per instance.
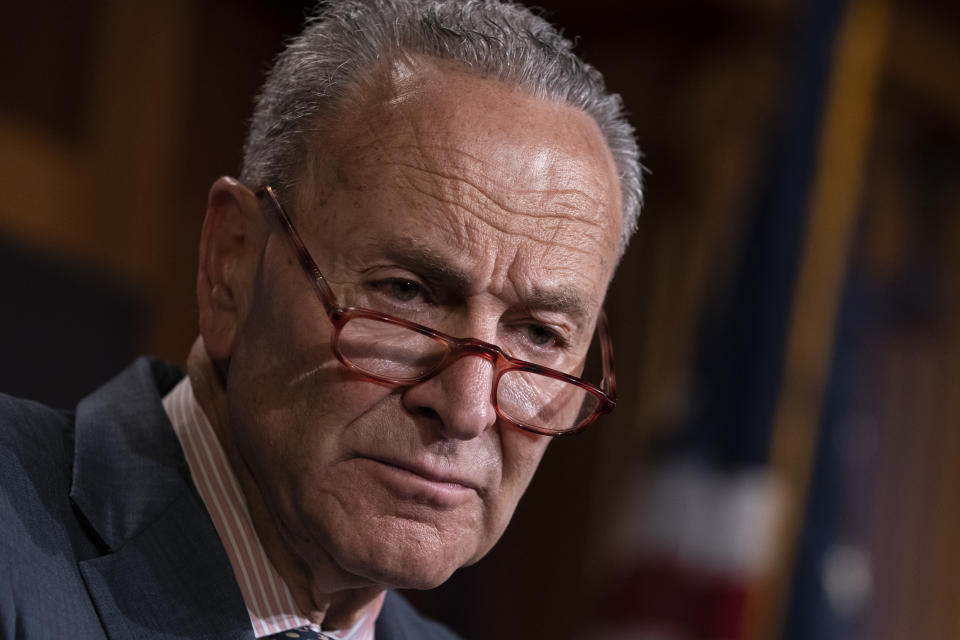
(230, 243)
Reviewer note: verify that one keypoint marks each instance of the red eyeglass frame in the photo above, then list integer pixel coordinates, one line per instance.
(456, 348)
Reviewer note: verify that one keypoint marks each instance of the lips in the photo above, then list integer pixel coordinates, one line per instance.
(429, 474)
(422, 483)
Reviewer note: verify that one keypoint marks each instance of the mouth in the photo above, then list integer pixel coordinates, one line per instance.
(421, 483)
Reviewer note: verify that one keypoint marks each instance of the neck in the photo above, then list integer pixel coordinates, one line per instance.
(310, 586)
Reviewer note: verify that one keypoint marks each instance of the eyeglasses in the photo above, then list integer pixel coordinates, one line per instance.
(394, 351)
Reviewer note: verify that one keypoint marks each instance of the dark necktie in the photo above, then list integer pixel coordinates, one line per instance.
(304, 633)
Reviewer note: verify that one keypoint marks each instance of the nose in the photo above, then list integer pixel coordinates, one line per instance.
(459, 397)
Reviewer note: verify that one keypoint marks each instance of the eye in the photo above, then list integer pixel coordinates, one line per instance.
(398, 294)
(404, 290)
(541, 336)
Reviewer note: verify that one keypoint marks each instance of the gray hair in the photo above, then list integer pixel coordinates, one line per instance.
(346, 41)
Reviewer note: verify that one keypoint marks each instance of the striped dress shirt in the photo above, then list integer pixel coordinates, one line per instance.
(268, 599)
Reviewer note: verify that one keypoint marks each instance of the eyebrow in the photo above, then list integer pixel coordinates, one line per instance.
(429, 265)
(560, 300)
(439, 272)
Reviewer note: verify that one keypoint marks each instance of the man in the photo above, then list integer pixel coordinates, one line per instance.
(395, 302)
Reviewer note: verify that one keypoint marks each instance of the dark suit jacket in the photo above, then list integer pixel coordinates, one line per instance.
(102, 533)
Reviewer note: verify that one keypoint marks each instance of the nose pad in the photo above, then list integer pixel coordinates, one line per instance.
(460, 396)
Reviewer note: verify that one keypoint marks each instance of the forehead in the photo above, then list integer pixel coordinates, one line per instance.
(473, 172)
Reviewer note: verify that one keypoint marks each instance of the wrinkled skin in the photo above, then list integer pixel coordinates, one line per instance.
(501, 209)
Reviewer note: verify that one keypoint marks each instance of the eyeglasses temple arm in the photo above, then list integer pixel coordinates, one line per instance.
(609, 383)
(281, 219)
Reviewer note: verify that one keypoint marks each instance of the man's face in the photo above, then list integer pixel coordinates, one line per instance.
(500, 212)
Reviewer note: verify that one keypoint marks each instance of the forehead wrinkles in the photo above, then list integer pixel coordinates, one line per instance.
(546, 199)
(494, 174)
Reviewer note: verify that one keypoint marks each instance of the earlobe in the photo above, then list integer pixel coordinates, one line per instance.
(229, 240)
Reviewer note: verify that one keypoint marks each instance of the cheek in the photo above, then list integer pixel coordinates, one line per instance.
(302, 417)
(291, 402)
(294, 450)
(522, 452)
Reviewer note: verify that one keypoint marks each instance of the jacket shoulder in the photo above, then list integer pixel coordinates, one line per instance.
(36, 452)
(33, 434)
(40, 537)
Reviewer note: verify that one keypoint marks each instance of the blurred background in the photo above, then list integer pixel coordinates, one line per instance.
(783, 462)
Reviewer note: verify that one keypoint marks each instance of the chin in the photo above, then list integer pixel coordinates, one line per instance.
(405, 555)
(419, 581)
(406, 576)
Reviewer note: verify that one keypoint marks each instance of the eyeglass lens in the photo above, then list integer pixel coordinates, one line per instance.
(387, 350)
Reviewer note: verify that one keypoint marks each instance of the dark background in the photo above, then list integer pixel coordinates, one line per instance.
(788, 311)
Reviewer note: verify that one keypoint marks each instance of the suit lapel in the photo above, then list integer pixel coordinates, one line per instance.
(164, 573)
(173, 580)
